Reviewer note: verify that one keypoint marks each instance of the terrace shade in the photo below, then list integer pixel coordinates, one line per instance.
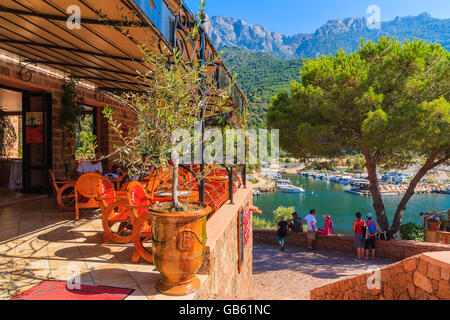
(99, 52)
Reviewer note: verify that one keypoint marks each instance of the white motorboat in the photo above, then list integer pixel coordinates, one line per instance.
(291, 189)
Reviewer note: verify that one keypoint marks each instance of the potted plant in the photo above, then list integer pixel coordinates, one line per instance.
(433, 222)
(71, 114)
(174, 97)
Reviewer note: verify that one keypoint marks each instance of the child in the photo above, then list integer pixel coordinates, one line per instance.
(282, 232)
(328, 228)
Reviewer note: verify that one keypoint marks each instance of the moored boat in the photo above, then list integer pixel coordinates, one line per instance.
(292, 189)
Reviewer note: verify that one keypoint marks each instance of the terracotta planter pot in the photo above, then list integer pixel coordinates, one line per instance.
(433, 226)
(178, 245)
(431, 236)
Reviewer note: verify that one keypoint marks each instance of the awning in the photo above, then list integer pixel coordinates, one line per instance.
(99, 52)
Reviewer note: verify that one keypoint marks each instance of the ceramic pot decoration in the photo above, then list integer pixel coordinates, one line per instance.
(178, 245)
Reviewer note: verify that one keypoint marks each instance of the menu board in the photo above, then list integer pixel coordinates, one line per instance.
(34, 127)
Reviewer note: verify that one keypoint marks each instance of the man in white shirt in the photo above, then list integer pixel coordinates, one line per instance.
(310, 219)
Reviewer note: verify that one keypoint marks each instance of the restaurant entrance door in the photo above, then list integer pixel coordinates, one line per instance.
(37, 141)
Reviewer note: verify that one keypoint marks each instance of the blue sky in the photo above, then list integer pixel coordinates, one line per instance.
(301, 16)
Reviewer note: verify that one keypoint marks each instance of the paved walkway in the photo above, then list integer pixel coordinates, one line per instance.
(292, 273)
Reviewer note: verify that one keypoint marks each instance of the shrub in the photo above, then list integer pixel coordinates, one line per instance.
(282, 211)
(261, 223)
(412, 231)
(254, 181)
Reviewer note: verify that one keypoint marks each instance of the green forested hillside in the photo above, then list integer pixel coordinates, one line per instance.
(261, 76)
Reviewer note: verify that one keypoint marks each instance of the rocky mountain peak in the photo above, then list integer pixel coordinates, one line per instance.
(334, 34)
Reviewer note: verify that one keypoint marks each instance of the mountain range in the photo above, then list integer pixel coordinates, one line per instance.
(335, 34)
(267, 62)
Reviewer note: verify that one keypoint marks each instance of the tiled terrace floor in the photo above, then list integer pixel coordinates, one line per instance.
(9, 197)
(39, 243)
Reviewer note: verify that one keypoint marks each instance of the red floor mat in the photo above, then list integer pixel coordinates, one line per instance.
(57, 290)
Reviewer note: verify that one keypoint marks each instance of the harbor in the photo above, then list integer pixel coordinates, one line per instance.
(332, 199)
(391, 183)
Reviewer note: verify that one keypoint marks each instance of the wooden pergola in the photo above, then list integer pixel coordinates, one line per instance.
(104, 51)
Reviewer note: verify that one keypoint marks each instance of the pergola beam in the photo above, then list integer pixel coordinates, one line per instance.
(81, 66)
(50, 46)
(64, 18)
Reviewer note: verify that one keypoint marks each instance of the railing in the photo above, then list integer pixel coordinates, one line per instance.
(159, 14)
(219, 185)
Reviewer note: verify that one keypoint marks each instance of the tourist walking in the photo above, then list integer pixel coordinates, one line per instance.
(310, 219)
(282, 232)
(328, 227)
(358, 226)
(371, 234)
(295, 224)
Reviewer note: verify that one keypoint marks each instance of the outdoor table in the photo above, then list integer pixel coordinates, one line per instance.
(169, 194)
(115, 179)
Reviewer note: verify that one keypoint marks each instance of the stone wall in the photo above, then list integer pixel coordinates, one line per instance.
(421, 277)
(221, 260)
(53, 83)
(396, 250)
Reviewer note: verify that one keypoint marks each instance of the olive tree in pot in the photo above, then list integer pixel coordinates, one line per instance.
(175, 95)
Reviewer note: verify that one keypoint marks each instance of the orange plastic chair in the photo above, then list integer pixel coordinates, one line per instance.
(86, 192)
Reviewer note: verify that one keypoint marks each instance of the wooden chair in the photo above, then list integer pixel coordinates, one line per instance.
(86, 192)
(139, 203)
(187, 187)
(64, 190)
(128, 208)
(114, 213)
(159, 179)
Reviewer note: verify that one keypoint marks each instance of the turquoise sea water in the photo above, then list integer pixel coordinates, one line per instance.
(330, 199)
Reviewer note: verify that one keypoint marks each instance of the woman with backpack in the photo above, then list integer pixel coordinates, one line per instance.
(358, 226)
(371, 235)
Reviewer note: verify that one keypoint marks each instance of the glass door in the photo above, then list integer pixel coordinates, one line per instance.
(37, 141)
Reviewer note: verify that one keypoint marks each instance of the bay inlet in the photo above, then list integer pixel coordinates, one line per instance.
(331, 199)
